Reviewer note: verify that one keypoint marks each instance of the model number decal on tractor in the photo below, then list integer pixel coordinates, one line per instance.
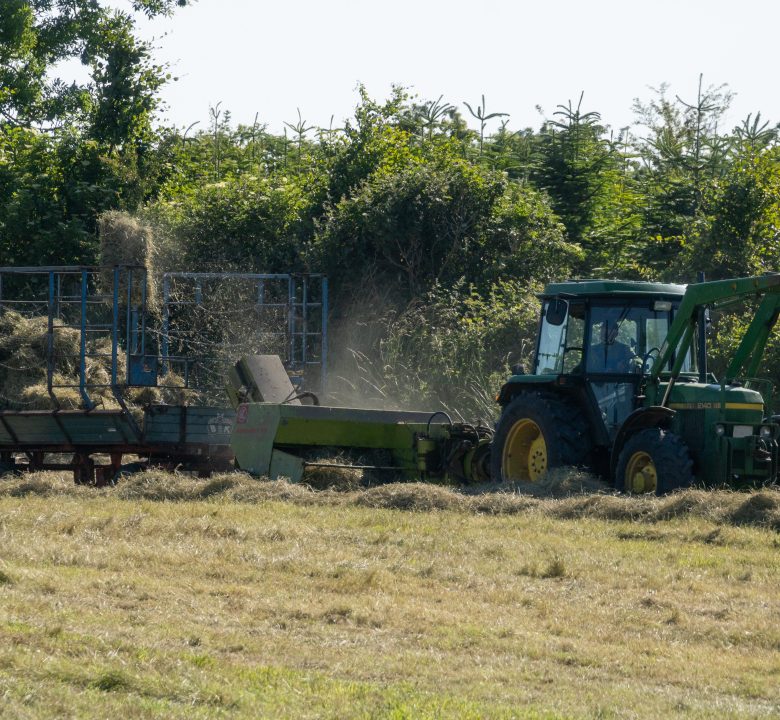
(715, 406)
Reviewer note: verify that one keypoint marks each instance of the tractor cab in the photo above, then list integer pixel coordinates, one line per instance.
(613, 341)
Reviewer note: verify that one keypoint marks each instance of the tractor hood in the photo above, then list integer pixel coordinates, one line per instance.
(739, 403)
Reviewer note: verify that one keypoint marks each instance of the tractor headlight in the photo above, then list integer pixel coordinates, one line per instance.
(766, 432)
(720, 430)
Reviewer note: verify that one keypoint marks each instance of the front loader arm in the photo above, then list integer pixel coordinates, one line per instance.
(718, 292)
(751, 349)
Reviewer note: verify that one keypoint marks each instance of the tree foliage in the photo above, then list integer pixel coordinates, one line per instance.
(70, 151)
(413, 214)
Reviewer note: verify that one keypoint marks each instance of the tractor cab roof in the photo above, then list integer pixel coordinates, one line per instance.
(612, 288)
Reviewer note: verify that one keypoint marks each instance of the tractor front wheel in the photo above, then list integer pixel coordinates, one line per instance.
(654, 461)
(538, 432)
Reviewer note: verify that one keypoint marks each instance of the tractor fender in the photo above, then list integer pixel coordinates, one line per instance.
(653, 416)
(522, 383)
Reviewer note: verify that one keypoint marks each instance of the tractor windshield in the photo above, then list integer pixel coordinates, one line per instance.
(628, 338)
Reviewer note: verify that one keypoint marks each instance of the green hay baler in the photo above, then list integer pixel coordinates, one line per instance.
(277, 435)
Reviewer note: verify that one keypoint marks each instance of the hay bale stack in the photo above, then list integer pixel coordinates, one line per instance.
(36, 397)
(24, 342)
(23, 362)
(126, 241)
(24, 347)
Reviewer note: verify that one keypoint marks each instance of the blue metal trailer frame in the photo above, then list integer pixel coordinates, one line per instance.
(302, 340)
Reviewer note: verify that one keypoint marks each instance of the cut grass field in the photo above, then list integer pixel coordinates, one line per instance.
(170, 597)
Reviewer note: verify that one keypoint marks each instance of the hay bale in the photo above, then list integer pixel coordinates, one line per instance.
(36, 397)
(96, 373)
(25, 391)
(329, 475)
(27, 337)
(170, 390)
(17, 331)
(143, 396)
(126, 241)
(24, 352)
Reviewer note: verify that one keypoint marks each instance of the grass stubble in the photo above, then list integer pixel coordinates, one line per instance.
(231, 597)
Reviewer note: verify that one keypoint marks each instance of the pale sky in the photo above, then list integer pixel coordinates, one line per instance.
(273, 57)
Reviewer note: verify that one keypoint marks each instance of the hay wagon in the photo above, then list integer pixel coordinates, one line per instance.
(88, 385)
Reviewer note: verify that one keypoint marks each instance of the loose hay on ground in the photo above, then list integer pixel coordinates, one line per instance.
(563, 482)
(44, 484)
(412, 496)
(760, 508)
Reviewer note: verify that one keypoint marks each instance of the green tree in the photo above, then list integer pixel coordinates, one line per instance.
(483, 116)
(585, 176)
(410, 223)
(37, 34)
(743, 234)
(68, 151)
(241, 224)
(682, 157)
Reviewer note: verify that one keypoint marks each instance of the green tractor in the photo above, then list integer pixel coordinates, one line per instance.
(620, 386)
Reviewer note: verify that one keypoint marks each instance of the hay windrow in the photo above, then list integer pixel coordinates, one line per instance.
(563, 482)
(759, 508)
(43, 484)
(411, 497)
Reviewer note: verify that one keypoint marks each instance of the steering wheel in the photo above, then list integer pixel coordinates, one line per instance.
(648, 356)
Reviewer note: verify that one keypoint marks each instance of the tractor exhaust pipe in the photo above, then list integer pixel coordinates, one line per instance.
(702, 323)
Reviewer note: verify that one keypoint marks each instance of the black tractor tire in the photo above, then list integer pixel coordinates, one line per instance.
(658, 458)
(530, 417)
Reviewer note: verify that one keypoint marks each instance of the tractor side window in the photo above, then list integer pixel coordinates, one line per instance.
(552, 337)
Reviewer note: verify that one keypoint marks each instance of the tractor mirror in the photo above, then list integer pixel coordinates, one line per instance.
(556, 311)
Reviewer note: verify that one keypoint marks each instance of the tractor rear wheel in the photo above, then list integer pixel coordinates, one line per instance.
(654, 461)
(538, 432)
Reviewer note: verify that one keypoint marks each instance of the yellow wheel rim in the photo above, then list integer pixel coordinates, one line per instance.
(525, 452)
(641, 476)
